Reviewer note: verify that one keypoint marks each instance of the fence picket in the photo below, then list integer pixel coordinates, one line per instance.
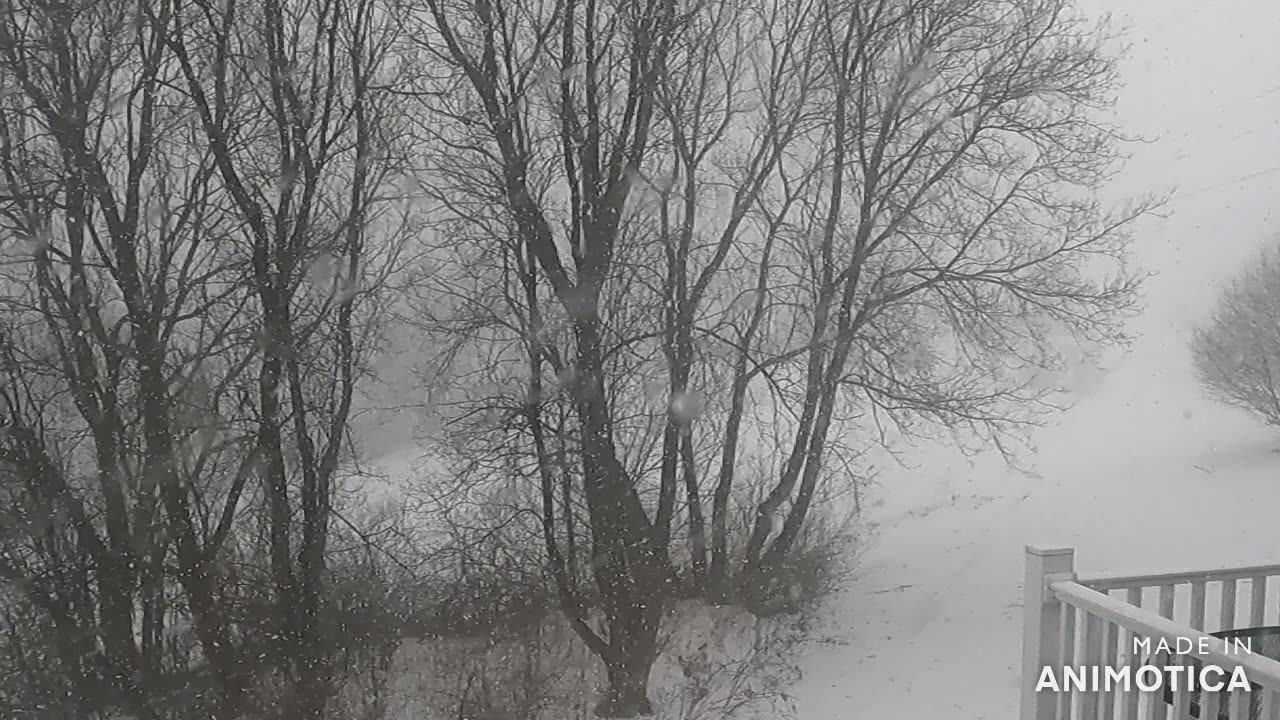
(1197, 605)
(1181, 693)
(1258, 601)
(1107, 698)
(1089, 652)
(1227, 614)
(1210, 704)
(1130, 702)
(1066, 653)
(1240, 705)
(1166, 601)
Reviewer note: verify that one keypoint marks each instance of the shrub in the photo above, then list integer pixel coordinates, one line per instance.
(1236, 352)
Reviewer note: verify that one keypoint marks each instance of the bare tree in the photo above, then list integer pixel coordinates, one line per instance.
(291, 101)
(115, 248)
(605, 63)
(954, 227)
(198, 190)
(801, 223)
(1236, 351)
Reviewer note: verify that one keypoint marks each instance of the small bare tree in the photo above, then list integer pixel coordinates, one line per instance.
(1236, 352)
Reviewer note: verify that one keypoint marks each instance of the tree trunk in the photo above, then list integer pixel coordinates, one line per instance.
(697, 521)
(314, 686)
(628, 694)
(628, 666)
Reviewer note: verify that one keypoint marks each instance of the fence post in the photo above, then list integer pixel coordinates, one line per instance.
(1040, 625)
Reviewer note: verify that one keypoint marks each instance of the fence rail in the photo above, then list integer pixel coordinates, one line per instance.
(1077, 623)
(1108, 582)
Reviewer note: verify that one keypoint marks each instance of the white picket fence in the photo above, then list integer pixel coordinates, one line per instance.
(1111, 621)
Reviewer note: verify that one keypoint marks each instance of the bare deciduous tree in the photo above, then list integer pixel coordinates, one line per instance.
(679, 238)
(198, 187)
(598, 65)
(1236, 352)
(953, 226)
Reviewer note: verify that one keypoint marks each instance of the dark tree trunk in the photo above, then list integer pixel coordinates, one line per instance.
(697, 521)
(633, 644)
(627, 696)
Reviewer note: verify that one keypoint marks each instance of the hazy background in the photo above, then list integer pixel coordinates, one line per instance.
(1202, 82)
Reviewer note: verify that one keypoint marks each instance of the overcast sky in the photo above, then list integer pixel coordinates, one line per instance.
(1203, 81)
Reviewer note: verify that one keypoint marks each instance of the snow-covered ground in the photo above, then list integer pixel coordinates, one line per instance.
(1142, 475)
